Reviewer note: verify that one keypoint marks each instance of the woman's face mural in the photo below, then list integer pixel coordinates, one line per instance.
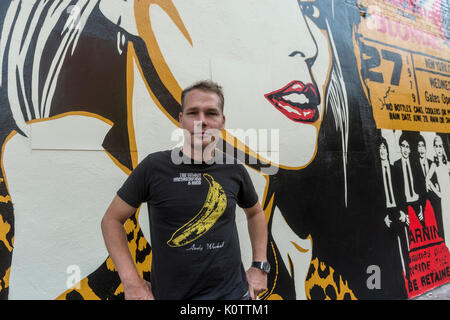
(122, 65)
(283, 83)
(438, 146)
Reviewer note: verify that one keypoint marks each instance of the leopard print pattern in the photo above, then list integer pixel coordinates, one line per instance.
(104, 283)
(323, 283)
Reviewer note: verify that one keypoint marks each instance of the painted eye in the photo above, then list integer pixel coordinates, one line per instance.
(315, 12)
(310, 10)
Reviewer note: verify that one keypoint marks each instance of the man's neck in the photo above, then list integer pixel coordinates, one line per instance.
(198, 154)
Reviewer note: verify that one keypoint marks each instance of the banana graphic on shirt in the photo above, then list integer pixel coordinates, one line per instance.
(213, 207)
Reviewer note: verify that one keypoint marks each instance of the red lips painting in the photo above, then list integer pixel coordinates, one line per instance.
(297, 101)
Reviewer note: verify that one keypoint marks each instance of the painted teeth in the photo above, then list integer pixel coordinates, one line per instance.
(290, 109)
(296, 98)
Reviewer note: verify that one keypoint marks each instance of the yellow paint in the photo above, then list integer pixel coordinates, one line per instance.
(5, 199)
(144, 27)
(129, 226)
(9, 137)
(5, 227)
(145, 266)
(130, 87)
(268, 210)
(73, 113)
(85, 291)
(299, 248)
(119, 290)
(274, 297)
(275, 270)
(110, 264)
(5, 279)
(142, 244)
(328, 280)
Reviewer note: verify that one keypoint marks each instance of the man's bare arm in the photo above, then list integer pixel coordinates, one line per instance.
(257, 229)
(116, 243)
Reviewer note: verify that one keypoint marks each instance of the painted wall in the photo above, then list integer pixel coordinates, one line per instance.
(336, 94)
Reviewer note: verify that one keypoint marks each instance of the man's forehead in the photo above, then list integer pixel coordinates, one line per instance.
(198, 94)
(202, 99)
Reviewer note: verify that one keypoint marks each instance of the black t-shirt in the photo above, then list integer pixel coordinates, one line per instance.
(195, 245)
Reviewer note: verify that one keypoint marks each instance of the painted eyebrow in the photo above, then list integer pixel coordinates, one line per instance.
(294, 53)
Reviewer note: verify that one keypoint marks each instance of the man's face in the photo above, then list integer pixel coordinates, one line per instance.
(405, 150)
(421, 149)
(202, 117)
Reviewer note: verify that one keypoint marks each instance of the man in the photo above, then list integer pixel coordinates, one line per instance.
(424, 162)
(406, 174)
(195, 246)
(428, 194)
(395, 219)
(388, 184)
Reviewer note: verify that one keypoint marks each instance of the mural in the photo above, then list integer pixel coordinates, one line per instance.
(356, 193)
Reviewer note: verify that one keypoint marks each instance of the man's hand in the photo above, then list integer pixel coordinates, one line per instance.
(257, 282)
(138, 290)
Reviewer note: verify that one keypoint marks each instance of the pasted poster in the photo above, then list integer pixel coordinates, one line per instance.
(406, 68)
(403, 51)
(358, 92)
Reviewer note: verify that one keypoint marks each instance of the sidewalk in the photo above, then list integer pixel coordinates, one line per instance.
(440, 293)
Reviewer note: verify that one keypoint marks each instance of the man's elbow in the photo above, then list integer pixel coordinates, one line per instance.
(104, 223)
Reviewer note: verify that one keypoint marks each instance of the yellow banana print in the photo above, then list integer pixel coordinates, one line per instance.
(213, 207)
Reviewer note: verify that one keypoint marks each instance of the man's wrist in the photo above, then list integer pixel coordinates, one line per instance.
(264, 266)
(131, 278)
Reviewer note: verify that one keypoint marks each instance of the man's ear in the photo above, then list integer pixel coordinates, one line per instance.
(223, 124)
(180, 115)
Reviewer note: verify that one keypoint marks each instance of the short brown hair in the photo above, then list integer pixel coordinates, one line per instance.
(205, 85)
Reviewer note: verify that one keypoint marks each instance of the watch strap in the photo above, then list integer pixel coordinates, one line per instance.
(262, 265)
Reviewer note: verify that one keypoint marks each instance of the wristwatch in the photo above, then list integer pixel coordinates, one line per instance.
(262, 265)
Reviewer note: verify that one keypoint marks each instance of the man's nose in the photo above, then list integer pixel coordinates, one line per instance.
(201, 119)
